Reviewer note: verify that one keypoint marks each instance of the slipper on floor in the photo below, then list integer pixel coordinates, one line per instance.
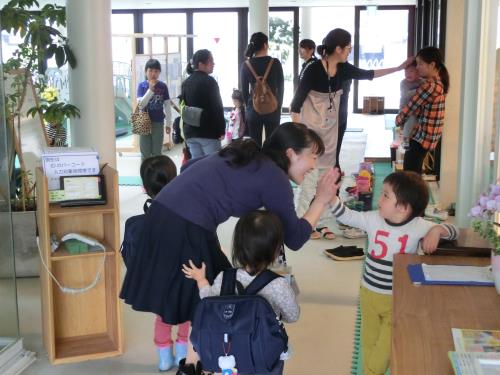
(354, 233)
(326, 233)
(345, 253)
(315, 235)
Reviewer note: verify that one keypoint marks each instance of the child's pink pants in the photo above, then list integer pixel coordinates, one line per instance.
(163, 333)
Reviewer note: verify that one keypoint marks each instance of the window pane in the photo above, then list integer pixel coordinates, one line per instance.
(218, 32)
(171, 24)
(165, 23)
(281, 47)
(383, 44)
(122, 46)
(338, 17)
(122, 58)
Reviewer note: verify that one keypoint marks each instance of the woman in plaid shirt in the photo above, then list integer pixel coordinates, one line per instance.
(428, 105)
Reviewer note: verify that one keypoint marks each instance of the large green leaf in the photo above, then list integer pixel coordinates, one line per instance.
(70, 56)
(50, 51)
(60, 56)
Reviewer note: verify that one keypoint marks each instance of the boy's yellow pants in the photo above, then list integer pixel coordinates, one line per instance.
(376, 321)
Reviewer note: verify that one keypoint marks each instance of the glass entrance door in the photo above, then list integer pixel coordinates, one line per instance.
(281, 42)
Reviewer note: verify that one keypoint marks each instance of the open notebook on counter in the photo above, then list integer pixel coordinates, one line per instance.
(450, 275)
(477, 352)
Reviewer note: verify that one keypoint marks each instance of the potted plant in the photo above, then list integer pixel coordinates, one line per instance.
(54, 112)
(41, 40)
(486, 221)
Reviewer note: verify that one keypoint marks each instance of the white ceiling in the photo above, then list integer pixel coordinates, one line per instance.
(165, 4)
(171, 4)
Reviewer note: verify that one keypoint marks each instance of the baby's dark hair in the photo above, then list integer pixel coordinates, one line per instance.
(257, 241)
(156, 172)
(409, 189)
(152, 64)
(413, 64)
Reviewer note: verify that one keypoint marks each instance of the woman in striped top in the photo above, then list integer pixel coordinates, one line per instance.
(395, 228)
(428, 104)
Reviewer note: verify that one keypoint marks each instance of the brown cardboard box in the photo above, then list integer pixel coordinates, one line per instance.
(373, 104)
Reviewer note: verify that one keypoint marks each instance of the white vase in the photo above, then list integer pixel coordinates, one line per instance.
(495, 266)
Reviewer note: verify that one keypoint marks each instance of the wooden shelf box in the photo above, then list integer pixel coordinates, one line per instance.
(86, 325)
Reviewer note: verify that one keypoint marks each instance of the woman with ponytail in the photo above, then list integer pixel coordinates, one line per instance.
(317, 104)
(257, 54)
(428, 104)
(202, 91)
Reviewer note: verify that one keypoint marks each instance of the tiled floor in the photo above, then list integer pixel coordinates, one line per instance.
(321, 339)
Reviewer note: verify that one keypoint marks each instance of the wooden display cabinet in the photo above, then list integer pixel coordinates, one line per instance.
(86, 325)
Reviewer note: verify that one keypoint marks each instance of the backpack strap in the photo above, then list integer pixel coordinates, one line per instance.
(268, 69)
(228, 282)
(148, 203)
(260, 282)
(252, 70)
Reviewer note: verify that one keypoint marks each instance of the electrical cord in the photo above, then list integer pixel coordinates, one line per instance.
(70, 290)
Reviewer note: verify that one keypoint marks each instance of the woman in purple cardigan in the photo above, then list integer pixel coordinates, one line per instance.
(182, 221)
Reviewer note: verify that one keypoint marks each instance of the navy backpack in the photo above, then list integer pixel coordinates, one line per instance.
(256, 336)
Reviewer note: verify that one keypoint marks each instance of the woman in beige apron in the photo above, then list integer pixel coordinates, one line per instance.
(316, 104)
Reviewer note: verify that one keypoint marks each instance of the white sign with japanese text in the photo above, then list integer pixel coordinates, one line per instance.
(68, 162)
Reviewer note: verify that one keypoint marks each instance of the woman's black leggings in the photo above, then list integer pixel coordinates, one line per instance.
(255, 123)
(414, 157)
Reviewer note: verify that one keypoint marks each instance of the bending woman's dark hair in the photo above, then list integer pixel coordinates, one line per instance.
(288, 135)
(257, 41)
(432, 54)
(200, 56)
(335, 38)
(257, 240)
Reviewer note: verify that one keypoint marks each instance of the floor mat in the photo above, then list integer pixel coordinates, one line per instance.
(357, 364)
(129, 181)
(357, 354)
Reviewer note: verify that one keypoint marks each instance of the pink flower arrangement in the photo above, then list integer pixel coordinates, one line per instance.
(485, 216)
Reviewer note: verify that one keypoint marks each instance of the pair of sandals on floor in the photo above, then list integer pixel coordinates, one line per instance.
(322, 232)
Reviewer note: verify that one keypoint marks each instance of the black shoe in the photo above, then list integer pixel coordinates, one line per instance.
(189, 369)
(345, 253)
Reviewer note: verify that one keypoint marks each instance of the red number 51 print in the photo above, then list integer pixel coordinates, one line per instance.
(379, 240)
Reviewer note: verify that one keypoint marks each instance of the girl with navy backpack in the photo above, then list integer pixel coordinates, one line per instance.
(257, 242)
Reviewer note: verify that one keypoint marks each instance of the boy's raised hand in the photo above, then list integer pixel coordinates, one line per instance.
(431, 239)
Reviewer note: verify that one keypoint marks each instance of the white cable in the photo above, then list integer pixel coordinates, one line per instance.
(70, 290)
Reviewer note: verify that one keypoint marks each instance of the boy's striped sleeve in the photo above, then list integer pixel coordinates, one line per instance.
(452, 231)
